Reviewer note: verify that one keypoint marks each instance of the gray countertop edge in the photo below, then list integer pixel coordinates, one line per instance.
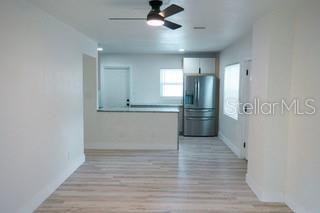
(155, 105)
(140, 110)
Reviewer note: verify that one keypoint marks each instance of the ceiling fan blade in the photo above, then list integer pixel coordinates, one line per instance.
(127, 19)
(171, 25)
(171, 10)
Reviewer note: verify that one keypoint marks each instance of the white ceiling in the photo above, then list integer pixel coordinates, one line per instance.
(225, 21)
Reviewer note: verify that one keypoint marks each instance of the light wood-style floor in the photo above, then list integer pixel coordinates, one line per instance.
(204, 176)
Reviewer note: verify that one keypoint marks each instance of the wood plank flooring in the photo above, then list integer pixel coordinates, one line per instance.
(204, 176)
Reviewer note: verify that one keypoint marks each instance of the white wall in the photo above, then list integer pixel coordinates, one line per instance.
(229, 128)
(283, 159)
(145, 73)
(41, 121)
(272, 52)
(303, 169)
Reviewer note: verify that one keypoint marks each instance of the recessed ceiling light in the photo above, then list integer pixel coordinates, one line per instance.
(99, 49)
(181, 50)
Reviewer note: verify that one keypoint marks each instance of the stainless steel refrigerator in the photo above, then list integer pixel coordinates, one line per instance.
(200, 105)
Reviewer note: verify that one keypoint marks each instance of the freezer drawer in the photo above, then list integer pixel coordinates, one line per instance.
(199, 112)
(199, 126)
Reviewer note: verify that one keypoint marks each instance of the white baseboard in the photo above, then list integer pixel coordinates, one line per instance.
(36, 201)
(254, 187)
(276, 197)
(228, 142)
(273, 197)
(297, 208)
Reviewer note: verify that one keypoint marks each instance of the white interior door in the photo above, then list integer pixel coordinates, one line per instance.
(115, 87)
(245, 98)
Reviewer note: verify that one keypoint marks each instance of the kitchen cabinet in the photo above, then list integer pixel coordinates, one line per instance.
(199, 65)
(191, 65)
(207, 65)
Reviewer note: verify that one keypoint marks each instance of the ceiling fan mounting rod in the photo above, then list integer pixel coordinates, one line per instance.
(156, 5)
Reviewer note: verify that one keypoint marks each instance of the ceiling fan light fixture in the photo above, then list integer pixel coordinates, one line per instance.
(155, 19)
(155, 23)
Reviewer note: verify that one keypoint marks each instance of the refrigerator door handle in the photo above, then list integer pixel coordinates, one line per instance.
(199, 110)
(200, 119)
(198, 90)
(195, 91)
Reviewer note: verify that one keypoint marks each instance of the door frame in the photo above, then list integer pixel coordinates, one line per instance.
(245, 85)
(120, 67)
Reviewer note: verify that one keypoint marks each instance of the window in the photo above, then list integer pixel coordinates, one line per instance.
(231, 91)
(171, 83)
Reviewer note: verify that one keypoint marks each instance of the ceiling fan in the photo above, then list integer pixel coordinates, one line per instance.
(156, 17)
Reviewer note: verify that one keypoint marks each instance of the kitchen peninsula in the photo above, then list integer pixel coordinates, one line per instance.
(133, 128)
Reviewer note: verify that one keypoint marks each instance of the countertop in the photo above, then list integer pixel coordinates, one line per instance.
(142, 109)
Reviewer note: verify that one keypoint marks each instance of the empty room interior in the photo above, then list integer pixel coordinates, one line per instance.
(159, 106)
